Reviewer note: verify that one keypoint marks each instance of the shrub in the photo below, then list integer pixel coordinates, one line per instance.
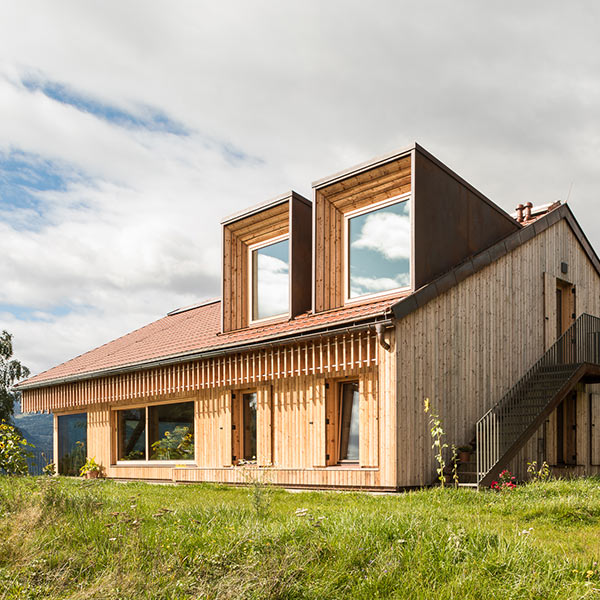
(90, 466)
(14, 451)
(538, 474)
(505, 483)
(437, 435)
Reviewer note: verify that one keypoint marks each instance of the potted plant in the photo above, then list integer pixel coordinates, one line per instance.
(91, 469)
(464, 453)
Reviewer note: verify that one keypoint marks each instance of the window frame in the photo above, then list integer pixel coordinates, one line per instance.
(237, 409)
(251, 249)
(149, 462)
(56, 435)
(340, 414)
(362, 211)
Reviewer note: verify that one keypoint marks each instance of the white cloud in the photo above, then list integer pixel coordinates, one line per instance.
(273, 286)
(387, 233)
(373, 285)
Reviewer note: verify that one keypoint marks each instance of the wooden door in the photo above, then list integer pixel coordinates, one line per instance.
(243, 426)
(565, 316)
(595, 429)
(566, 431)
(565, 306)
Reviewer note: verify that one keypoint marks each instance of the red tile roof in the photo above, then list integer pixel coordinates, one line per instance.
(197, 330)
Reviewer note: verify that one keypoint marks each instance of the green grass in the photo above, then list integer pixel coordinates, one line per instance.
(65, 538)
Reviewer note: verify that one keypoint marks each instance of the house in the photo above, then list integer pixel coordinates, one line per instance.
(338, 316)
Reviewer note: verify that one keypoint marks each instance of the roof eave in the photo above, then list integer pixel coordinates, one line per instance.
(304, 333)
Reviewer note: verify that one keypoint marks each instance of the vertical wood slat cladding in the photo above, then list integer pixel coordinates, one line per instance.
(329, 355)
(290, 434)
(331, 204)
(264, 425)
(467, 347)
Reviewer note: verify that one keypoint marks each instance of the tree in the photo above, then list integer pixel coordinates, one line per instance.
(11, 371)
(14, 451)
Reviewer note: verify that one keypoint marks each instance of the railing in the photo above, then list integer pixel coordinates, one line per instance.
(38, 461)
(507, 421)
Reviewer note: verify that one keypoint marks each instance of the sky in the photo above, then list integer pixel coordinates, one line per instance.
(128, 130)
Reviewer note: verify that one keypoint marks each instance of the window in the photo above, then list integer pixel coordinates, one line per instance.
(132, 434)
(244, 426)
(349, 421)
(72, 443)
(379, 249)
(270, 269)
(158, 432)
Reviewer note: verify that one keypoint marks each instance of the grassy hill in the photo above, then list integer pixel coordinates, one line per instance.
(62, 538)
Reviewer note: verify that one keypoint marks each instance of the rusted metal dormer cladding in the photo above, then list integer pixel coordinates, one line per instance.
(395, 223)
(267, 262)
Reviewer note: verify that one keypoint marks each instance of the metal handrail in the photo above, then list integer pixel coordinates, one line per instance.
(503, 424)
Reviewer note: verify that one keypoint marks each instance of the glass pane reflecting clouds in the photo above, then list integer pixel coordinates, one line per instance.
(271, 280)
(379, 250)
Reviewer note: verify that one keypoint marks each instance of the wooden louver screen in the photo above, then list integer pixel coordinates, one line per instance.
(322, 356)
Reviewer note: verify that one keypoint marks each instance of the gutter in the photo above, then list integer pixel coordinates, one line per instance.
(221, 350)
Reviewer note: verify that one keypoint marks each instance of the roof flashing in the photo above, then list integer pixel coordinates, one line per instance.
(183, 309)
(257, 208)
(365, 166)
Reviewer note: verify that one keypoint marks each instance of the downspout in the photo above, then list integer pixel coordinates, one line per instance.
(380, 331)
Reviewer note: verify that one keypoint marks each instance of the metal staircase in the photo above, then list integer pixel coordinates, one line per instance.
(503, 430)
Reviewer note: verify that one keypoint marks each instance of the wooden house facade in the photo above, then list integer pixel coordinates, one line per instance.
(338, 316)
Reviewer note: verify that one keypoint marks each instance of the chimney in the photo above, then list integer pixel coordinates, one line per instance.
(528, 207)
(520, 213)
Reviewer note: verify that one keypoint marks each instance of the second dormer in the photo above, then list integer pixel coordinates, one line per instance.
(393, 224)
(267, 262)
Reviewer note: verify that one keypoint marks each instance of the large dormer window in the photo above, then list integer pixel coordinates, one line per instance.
(378, 248)
(270, 279)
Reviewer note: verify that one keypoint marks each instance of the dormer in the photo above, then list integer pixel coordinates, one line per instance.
(267, 262)
(393, 224)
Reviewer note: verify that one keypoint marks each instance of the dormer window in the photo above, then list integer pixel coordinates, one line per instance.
(267, 262)
(270, 279)
(378, 248)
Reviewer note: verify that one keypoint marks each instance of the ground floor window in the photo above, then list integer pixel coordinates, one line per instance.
(244, 426)
(157, 432)
(349, 421)
(342, 422)
(72, 443)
